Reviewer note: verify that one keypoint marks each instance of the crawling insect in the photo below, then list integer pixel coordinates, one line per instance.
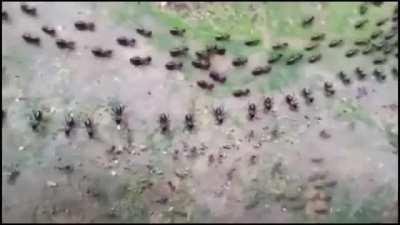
(253, 42)
(335, 43)
(219, 115)
(259, 70)
(49, 30)
(69, 124)
(379, 75)
(280, 46)
(164, 122)
(367, 50)
(144, 33)
(126, 42)
(363, 9)
(36, 119)
(344, 78)
(178, 51)
(315, 58)
(360, 73)
(213, 49)
(306, 93)
(291, 101)
(328, 88)
(172, 65)
(117, 113)
(204, 85)
(189, 121)
(89, 127)
(29, 38)
(387, 49)
(241, 93)
(294, 59)
(376, 34)
(361, 42)
(379, 60)
(381, 22)
(177, 32)
(318, 37)
(223, 37)
(217, 77)
(100, 52)
(28, 9)
(352, 52)
(203, 54)
(390, 35)
(64, 44)
(251, 110)
(361, 23)
(84, 26)
(275, 57)
(140, 61)
(202, 64)
(253, 159)
(239, 61)
(4, 15)
(311, 46)
(268, 103)
(171, 186)
(308, 21)
(379, 45)
(395, 72)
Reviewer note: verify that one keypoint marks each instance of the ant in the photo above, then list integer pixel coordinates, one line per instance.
(376, 34)
(275, 58)
(204, 85)
(84, 26)
(28, 9)
(212, 49)
(314, 58)
(126, 42)
(379, 75)
(29, 38)
(222, 37)
(5, 16)
(69, 124)
(100, 52)
(381, 21)
(291, 101)
(335, 43)
(317, 37)
(177, 32)
(49, 30)
(219, 115)
(140, 61)
(252, 42)
(189, 121)
(217, 77)
(308, 21)
(351, 52)
(259, 70)
(179, 51)
(117, 113)
(360, 24)
(343, 77)
(311, 46)
(294, 58)
(280, 46)
(328, 88)
(89, 127)
(361, 42)
(368, 50)
(64, 44)
(239, 61)
(164, 122)
(360, 73)
(252, 110)
(201, 64)
(36, 119)
(171, 65)
(363, 9)
(268, 103)
(379, 60)
(144, 33)
(307, 94)
(241, 93)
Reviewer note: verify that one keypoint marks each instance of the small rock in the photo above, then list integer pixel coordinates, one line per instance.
(113, 173)
(51, 183)
(21, 148)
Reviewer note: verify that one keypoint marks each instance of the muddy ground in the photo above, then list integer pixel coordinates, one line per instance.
(335, 160)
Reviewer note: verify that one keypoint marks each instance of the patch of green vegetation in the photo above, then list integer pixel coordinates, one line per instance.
(277, 79)
(352, 111)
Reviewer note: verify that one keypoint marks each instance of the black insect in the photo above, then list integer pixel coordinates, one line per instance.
(144, 33)
(223, 37)
(379, 60)
(292, 102)
(307, 94)
(251, 111)
(126, 42)
(36, 119)
(89, 127)
(268, 103)
(241, 93)
(64, 44)
(315, 58)
(311, 46)
(328, 88)
(259, 70)
(363, 9)
(361, 42)
(189, 121)
(172, 65)
(217, 77)
(4, 15)
(164, 122)
(395, 72)
(308, 21)
(360, 73)
(239, 61)
(387, 49)
(275, 57)
(367, 50)
(140, 61)
(84, 26)
(204, 85)
(203, 54)
(390, 35)
(49, 30)
(253, 42)
(117, 113)
(69, 124)
(376, 34)
(202, 64)
(381, 22)
(100, 52)
(214, 49)
(29, 38)
(344, 78)
(280, 46)
(28, 9)
(352, 52)
(361, 23)
(294, 59)
(318, 37)
(177, 32)
(219, 115)
(178, 51)
(335, 43)
(379, 75)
